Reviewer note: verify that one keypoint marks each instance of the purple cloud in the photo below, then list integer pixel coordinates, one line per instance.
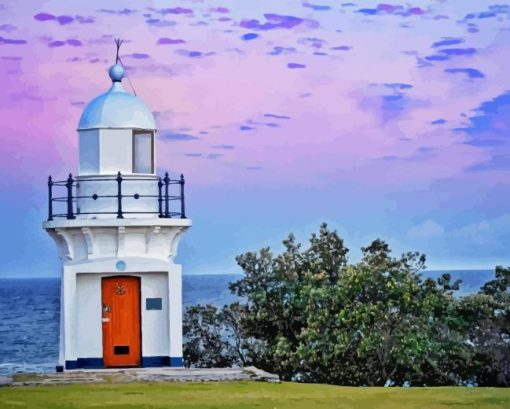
(494, 11)
(193, 155)
(316, 7)
(394, 102)
(253, 168)
(63, 20)
(175, 10)
(470, 72)
(436, 57)
(139, 56)
(293, 65)
(249, 36)
(192, 54)
(169, 41)
(156, 22)
(447, 42)
(220, 10)
(415, 11)
(123, 12)
(439, 121)
(224, 147)
(214, 155)
(458, 51)
(489, 127)
(397, 86)
(8, 28)
(277, 50)
(10, 41)
(446, 53)
(84, 20)
(312, 42)
(341, 48)
(276, 116)
(44, 17)
(246, 128)
(399, 10)
(56, 43)
(275, 21)
(173, 136)
(74, 42)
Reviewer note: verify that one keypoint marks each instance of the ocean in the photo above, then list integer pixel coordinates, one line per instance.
(30, 309)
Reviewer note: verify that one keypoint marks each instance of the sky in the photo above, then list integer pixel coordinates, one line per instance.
(385, 120)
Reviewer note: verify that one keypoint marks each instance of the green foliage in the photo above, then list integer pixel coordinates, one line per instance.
(311, 316)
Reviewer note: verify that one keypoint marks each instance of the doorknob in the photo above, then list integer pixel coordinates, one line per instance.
(106, 308)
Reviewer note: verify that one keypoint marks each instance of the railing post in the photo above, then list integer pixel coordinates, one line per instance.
(50, 199)
(167, 182)
(183, 209)
(160, 197)
(69, 185)
(119, 196)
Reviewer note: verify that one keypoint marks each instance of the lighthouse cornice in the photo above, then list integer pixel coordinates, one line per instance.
(86, 240)
(110, 222)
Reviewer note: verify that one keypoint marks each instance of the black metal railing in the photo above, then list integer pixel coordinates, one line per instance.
(70, 199)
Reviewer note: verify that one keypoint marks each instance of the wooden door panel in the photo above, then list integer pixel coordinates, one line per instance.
(121, 321)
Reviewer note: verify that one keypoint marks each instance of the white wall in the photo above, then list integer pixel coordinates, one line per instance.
(86, 326)
(116, 151)
(89, 151)
(175, 313)
(155, 322)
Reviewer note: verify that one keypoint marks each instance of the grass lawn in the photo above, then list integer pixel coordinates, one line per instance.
(247, 395)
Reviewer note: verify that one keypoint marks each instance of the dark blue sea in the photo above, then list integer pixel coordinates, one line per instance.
(30, 309)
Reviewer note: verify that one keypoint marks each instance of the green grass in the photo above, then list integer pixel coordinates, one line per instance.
(248, 395)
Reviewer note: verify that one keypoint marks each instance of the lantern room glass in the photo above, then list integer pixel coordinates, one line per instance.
(143, 152)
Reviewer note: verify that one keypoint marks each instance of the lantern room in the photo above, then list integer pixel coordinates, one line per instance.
(116, 132)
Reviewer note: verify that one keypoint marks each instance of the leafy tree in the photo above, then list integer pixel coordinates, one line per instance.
(310, 316)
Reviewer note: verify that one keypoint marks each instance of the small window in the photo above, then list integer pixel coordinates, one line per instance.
(143, 152)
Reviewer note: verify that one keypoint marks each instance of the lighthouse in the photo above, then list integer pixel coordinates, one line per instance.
(117, 226)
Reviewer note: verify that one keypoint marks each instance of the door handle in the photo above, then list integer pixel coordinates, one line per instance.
(106, 308)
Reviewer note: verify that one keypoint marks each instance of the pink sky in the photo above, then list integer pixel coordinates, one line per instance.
(385, 120)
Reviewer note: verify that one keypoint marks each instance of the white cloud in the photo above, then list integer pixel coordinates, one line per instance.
(425, 230)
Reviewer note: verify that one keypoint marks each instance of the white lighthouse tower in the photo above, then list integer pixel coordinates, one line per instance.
(117, 227)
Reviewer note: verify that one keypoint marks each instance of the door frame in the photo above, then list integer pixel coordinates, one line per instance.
(139, 277)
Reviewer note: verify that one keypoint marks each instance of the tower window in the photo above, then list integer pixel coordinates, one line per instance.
(143, 152)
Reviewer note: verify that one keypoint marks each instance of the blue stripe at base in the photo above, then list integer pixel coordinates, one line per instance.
(147, 361)
(85, 363)
(155, 361)
(176, 361)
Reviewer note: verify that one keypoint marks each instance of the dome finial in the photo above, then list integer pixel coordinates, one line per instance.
(116, 71)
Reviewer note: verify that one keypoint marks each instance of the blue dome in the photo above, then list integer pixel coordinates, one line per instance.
(116, 109)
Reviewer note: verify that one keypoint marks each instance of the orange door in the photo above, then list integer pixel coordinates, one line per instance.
(121, 321)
